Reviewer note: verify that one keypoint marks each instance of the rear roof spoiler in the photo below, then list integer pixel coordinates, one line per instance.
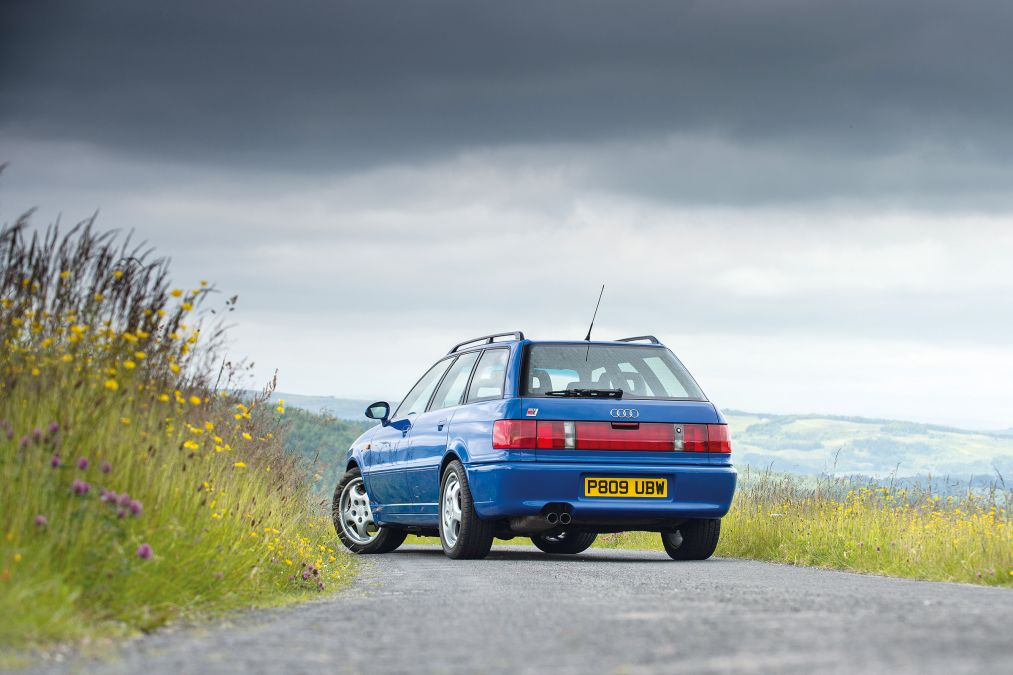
(487, 339)
(650, 338)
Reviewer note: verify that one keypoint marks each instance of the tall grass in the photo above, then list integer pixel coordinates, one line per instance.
(135, 489)
(846, 524)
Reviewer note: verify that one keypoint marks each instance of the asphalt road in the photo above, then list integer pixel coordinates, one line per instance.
(603, 611)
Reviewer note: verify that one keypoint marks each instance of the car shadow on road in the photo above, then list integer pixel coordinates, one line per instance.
(591, 556)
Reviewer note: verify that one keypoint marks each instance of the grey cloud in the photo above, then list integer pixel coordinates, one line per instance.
(335, 86)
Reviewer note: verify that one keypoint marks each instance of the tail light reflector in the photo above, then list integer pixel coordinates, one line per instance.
(643, 437)
(629, 436)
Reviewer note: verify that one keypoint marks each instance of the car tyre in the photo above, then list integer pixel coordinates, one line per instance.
(694, 540)
(353, 518)
(567, 541)
(462, 533)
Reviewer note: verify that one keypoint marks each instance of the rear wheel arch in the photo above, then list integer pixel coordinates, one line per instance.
(352, 464)
(451, 456)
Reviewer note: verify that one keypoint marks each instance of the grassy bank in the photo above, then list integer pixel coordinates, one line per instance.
(136, 490)
(840, 524)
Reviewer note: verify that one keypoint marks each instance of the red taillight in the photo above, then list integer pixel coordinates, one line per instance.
(717, 439)
(514, 434)
(706, 438)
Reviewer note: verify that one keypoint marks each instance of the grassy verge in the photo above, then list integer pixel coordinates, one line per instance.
(135, 490)
(841, 525)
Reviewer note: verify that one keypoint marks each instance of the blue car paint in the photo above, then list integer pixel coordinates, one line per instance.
(401, 461)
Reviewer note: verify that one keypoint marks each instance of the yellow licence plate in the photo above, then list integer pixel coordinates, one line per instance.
(625, 487)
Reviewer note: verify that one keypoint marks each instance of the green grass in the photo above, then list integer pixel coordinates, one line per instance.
(838, 524)
(108, 385)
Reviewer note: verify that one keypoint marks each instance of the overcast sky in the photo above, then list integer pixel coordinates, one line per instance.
(810, 202)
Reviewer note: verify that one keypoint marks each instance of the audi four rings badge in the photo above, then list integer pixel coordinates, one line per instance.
(628, 413)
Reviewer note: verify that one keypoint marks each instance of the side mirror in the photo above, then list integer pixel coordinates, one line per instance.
(379, 411)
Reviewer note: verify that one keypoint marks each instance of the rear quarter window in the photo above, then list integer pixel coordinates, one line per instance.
(490, 375)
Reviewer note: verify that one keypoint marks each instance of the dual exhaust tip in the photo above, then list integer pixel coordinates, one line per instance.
(553, 518)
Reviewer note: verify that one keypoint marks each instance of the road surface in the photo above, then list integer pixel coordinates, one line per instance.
(603, 611)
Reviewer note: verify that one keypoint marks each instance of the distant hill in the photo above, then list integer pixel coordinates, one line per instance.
(342, 408)
(812, 444)
(872, 447)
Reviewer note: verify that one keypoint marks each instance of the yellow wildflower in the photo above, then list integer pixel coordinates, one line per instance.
(176, 292)
(187, 306)
(240, 465)
(140, 356)
(164, 398)
(125, 421)
(247, 436)
(129, 365)
(190, 445)
(67, 358)
(112, 385)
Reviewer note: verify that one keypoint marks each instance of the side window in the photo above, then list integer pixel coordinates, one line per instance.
(487, 383)
(452, 390)
(416, 400)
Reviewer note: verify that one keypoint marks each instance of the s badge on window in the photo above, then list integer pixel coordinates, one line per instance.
(532, 412)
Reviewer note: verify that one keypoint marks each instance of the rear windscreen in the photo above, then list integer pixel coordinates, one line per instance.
(640, 371)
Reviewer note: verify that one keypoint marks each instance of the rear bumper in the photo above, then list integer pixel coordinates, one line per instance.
(509, 489)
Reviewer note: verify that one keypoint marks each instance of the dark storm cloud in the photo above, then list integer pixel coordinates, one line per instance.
(323, 86)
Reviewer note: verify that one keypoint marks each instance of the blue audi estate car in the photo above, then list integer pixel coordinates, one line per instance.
(506, 437)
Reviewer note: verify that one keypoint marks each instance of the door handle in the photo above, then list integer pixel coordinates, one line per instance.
(441, 424)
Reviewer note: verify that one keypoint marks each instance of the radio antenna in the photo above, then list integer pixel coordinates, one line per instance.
(593, 317)
(588, 338)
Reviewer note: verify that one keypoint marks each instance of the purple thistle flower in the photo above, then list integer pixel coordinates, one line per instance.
(53, 428)
(306, 574)
(25, 441)
(109, 496)
(40, 520)
(135, 507)
(124, 499)
(320, 585)
(80, 487)
(106, 467)
(37, 434)
(144, 551)
(121, 514)
(82, 463)
(55, 461)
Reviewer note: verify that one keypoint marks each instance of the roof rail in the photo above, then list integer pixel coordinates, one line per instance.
(649, 338)
(517, 335)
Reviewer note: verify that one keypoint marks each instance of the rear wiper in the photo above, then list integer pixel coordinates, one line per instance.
(587, 393)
